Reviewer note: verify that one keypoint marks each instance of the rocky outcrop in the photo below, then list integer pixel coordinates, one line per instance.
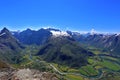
(26, 74)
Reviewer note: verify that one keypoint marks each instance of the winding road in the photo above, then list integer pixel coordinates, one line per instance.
(63, 73)
(100, 74)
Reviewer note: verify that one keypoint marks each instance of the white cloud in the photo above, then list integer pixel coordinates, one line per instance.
(93, 31)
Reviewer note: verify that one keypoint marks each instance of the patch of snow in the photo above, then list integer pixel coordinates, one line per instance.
(117, 34)
(104, 36)
(13, 33)
(93, 32)
(111, 49)
(2, 34)
(59, 33)
(45, 27)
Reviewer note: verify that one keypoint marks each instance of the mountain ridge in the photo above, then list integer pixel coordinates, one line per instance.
(109, 42)
(64, 50)
(9, 46)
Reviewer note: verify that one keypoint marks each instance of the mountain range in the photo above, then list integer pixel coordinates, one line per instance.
(32, 37)
(83, 54)
(109, 42)
(57, 46)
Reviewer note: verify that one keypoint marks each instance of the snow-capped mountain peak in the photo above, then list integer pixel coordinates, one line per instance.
(59, 33)
(117, 34)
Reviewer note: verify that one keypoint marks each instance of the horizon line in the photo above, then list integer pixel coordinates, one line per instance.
(78, 31)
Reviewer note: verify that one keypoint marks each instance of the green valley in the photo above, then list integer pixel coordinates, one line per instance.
(60, 56)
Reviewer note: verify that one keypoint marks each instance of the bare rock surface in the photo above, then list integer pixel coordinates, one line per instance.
(26, 74)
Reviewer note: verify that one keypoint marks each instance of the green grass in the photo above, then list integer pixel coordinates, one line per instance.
(104, 62)
(61, 68)
(111, 58)
(96, 52)
(91, 69)
(110, 65)
(88, 70)
(74, 77)
(111, 76)
(66, 69)
(90, 60)
(71, 70)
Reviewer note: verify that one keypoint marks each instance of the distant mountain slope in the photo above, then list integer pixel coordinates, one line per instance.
(109, 42)
(39, 37)
(64, 50)
(33, 37)
(9, 46)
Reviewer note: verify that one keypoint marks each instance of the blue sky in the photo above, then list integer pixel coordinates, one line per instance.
(77, 15)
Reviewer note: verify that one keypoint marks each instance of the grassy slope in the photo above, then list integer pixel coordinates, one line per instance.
(74, 77)
(108, 65)
(64, 51)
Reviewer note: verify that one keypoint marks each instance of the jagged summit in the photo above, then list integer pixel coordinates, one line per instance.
(5, 30)
(28, 29)
(5, 33)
